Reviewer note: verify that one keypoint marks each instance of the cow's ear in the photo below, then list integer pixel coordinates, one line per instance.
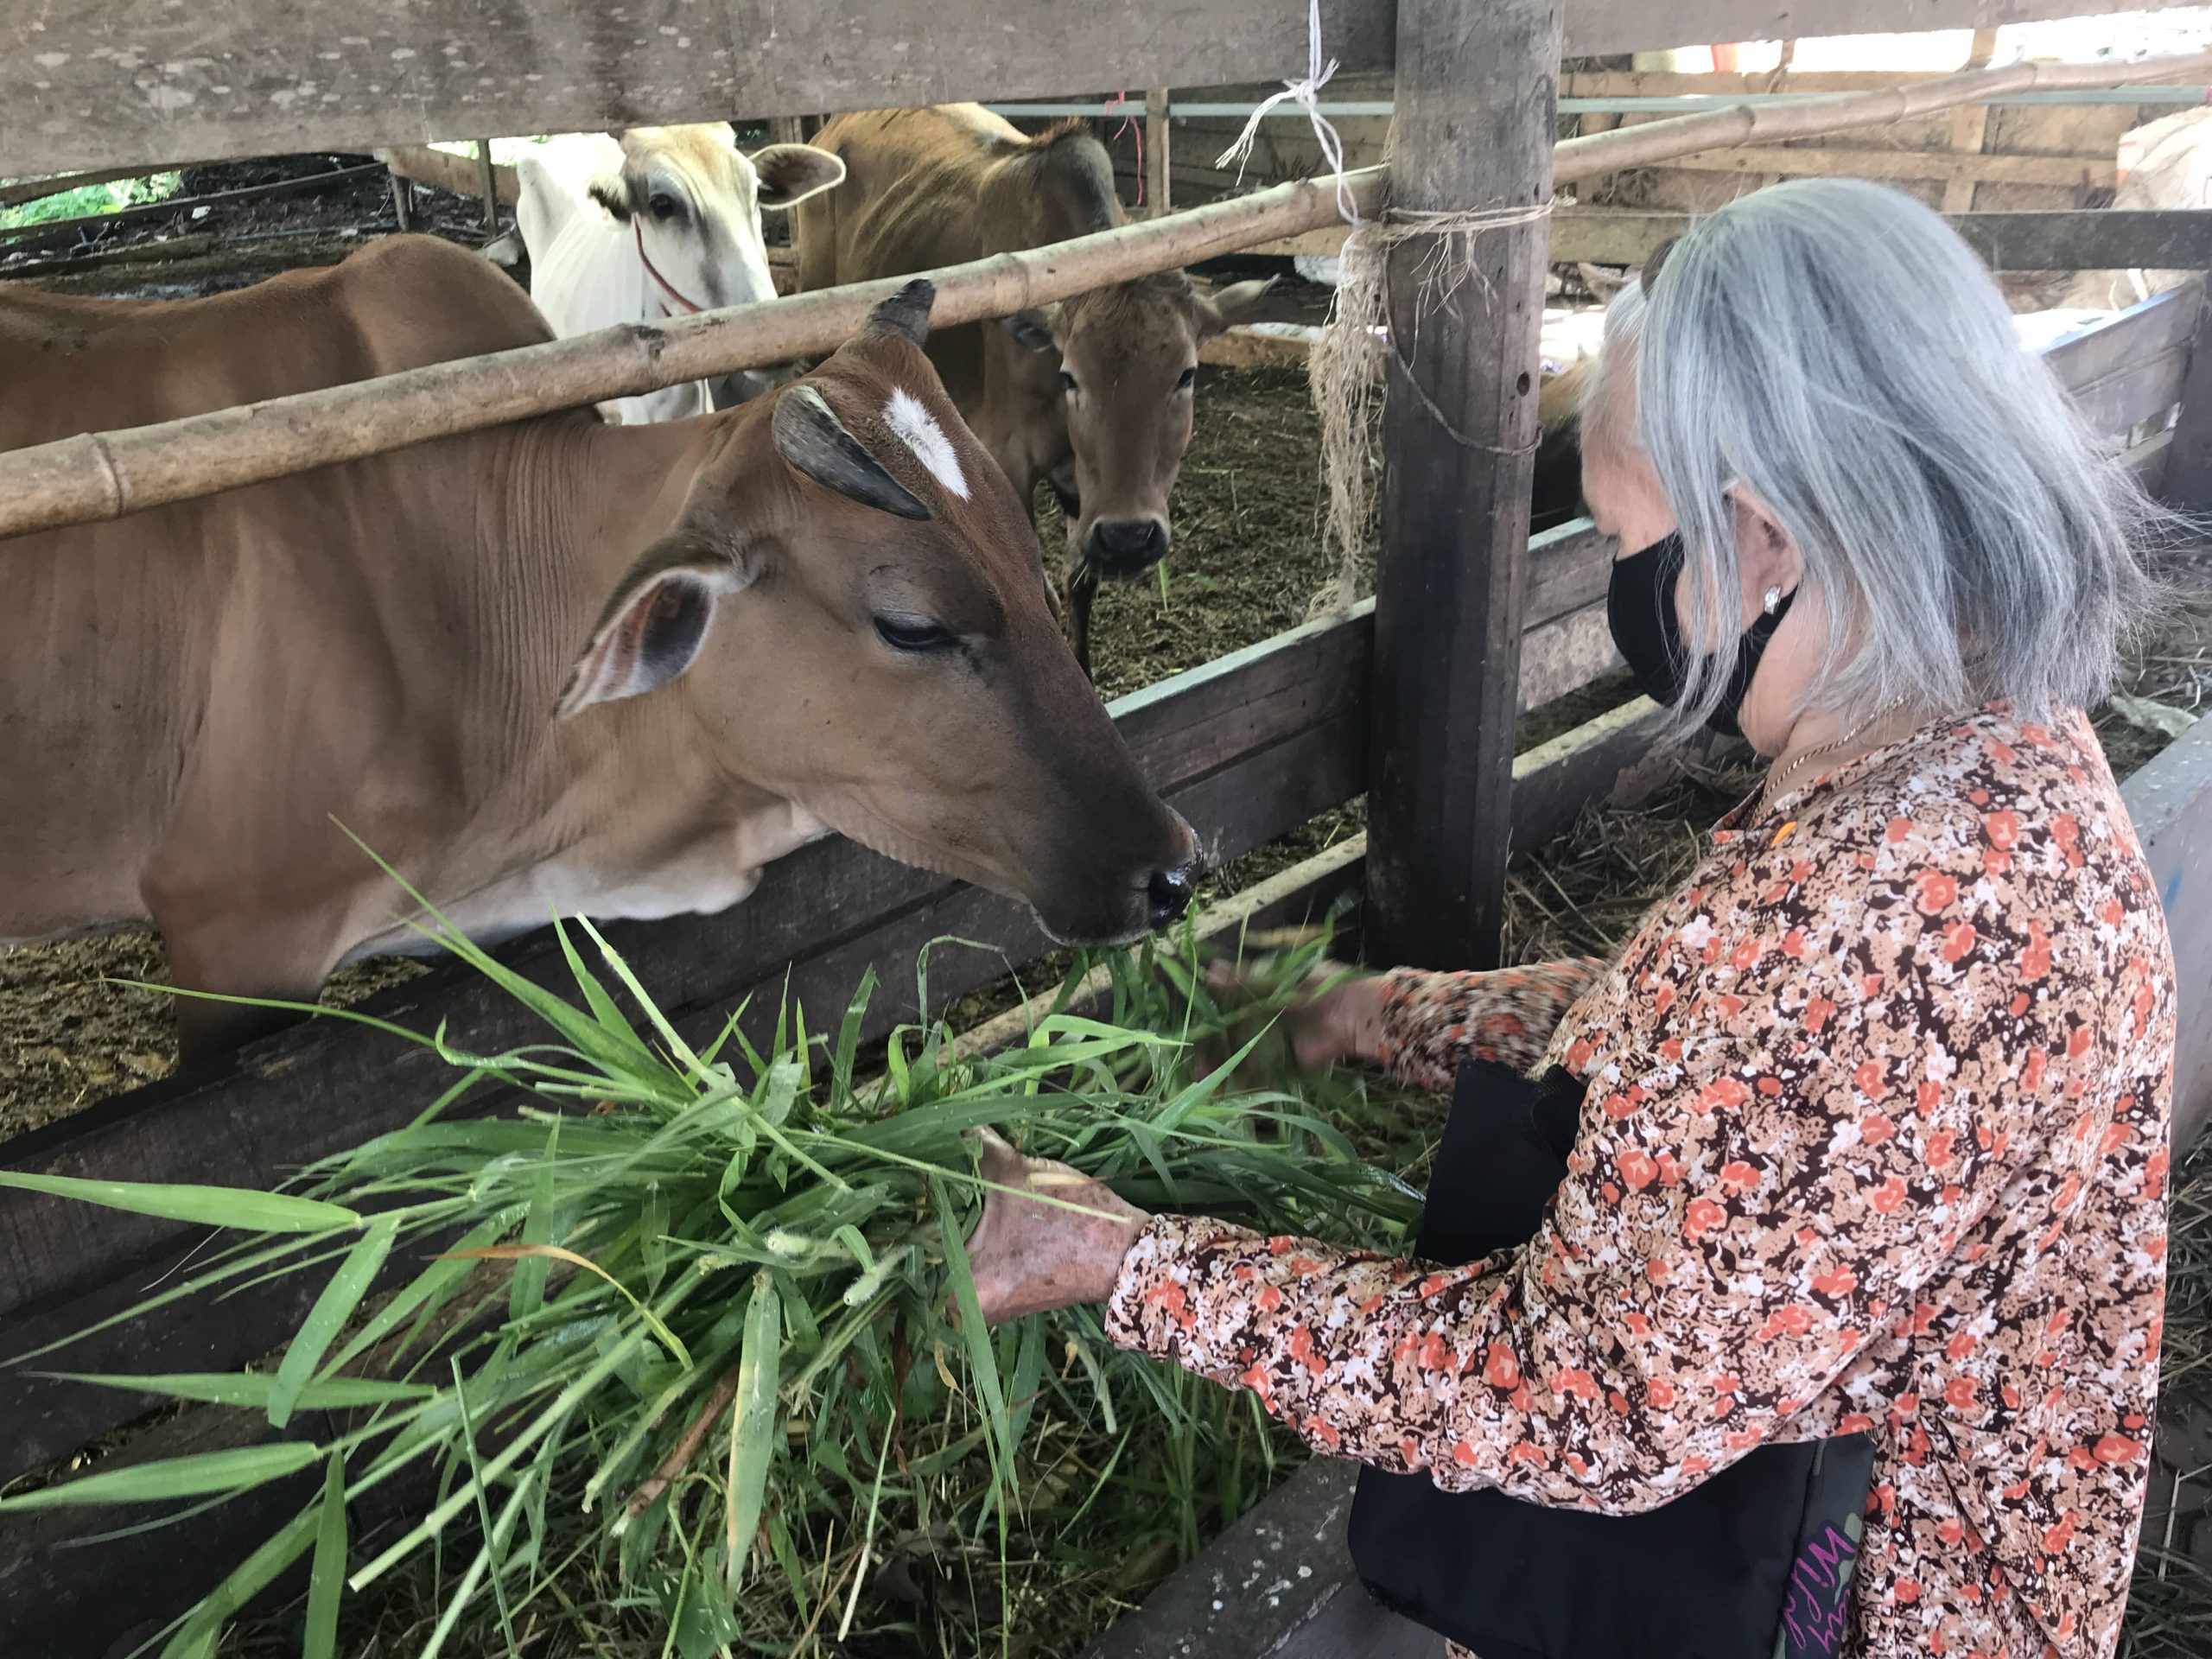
(612, 191)
(1032, 330)
(1225, 307)
(791, 172)
(654, 623)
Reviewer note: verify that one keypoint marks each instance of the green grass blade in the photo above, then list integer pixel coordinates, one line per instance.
(251, 1388)
(753, 1423)
(983, 1359)
(526, 1292)
(198, 1635)
(669, 1034)
(603, 1007)
(240, 1207)
(430, 1290)
(195, 1476)
(326, 1581)
(339, 1298)
(849, 1038)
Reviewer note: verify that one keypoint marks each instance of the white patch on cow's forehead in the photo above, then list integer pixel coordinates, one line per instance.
(915, 428)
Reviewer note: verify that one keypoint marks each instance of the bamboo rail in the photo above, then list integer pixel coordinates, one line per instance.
(101, 475)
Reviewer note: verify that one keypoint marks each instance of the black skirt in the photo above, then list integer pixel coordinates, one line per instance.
(1754, 1563)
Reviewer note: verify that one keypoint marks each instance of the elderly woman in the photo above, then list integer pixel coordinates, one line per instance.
(1874, 1126)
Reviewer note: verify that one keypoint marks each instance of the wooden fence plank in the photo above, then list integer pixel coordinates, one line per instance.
(1565, 654)
(2141, 332)
(2088, 170)
(461, 175)
(104, 83)
(1569, 567)
(2171, 802)
(1266, 1586)
(2187, 466)
(2065, 239)
(2115, 402)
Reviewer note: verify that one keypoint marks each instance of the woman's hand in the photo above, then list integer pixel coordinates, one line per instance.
(1336, 1017)
(1029, 1257)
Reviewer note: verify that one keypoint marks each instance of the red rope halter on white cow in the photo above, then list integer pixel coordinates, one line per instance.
(652, 270)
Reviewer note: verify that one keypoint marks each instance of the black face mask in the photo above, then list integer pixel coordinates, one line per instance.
(1640, 606)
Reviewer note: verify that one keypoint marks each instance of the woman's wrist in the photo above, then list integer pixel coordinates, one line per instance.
(1359, 1017)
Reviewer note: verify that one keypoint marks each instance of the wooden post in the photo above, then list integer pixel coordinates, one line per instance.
(1476, 100)
(787, 129)
(2188, 485)
(488, 185)
(1158, 188)
(1970, 126)
(403, 202)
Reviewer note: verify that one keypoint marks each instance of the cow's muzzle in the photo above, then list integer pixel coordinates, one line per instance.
(1118, 549)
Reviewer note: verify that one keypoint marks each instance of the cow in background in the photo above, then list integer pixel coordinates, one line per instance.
(1556, 495)
(553, 666)
(2165, 163)
(660, 222)
(1093, 395)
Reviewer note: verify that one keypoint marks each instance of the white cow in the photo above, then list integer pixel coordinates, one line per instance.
(2165, 163)
(656, 222)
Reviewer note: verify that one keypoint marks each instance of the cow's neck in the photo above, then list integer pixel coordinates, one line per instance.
(1022, 418)
(621, 811)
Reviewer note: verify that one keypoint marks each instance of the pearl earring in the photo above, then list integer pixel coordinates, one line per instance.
(1773, 600)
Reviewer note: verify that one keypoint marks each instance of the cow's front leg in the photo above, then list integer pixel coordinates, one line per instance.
(1082, 582)
(254, 956)
(1083, 587)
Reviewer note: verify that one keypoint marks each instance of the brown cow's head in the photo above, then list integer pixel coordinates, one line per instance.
(1128, 362)
(854, 607)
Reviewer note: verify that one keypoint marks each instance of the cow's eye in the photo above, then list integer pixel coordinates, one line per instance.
(1188, 378)
(661, 205)
(912, 634)
(1067, 383)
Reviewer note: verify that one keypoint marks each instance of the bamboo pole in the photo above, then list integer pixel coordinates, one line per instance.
(107, 474)
(102, 475)
(1743, 125)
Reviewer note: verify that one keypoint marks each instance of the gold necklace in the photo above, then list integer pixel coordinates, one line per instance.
(1776, 780)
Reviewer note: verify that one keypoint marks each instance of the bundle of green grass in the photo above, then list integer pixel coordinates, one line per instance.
(691, 1360)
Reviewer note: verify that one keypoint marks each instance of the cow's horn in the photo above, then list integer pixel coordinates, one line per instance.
(810, 437)
(906, 313)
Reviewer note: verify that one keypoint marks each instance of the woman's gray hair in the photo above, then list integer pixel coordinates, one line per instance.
(1605, 418)
(1835, 347)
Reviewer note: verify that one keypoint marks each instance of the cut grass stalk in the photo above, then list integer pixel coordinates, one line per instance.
(849, 1361)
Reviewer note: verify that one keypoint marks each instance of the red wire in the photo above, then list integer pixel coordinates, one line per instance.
(1129, 125)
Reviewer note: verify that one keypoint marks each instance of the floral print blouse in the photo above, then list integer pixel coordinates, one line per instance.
(1874, 1139)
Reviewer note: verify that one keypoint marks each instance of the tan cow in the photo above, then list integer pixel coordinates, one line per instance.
(558, 665)
(1094, 394)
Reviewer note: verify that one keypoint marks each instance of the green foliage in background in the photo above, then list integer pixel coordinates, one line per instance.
(90, 199)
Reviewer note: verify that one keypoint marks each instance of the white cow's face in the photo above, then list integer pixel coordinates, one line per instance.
(694, 201)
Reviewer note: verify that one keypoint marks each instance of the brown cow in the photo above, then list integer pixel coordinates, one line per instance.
(558, 665)
(1093, 394)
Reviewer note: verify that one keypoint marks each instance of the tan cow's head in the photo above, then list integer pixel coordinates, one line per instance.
(695, 202)
(854, 608)
(1127, 359)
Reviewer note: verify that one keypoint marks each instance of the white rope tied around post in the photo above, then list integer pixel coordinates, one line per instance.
(1307, 93)
(1349, 367)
